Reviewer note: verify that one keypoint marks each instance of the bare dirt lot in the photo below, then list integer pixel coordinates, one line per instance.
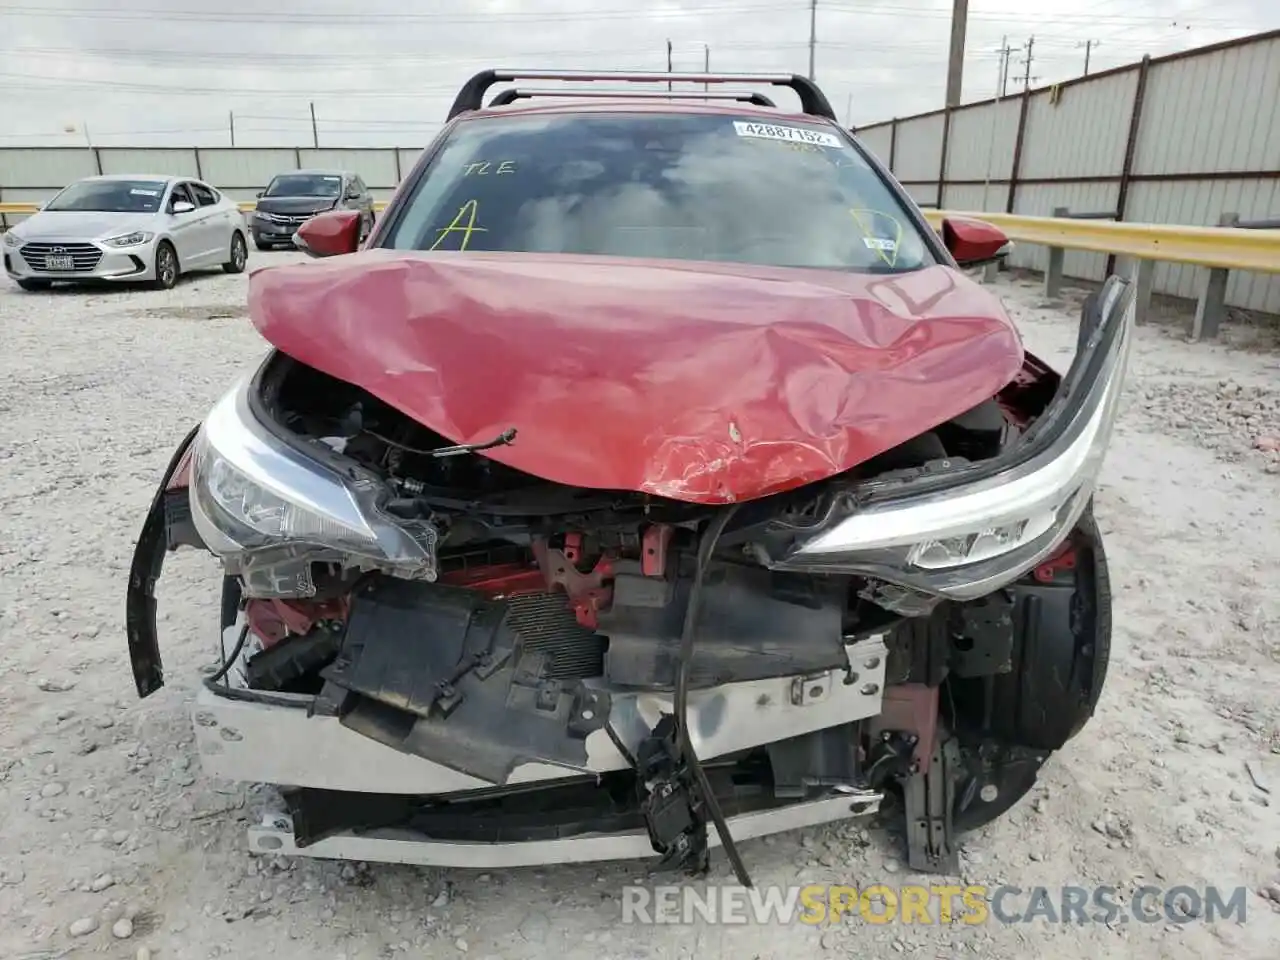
(113, 844)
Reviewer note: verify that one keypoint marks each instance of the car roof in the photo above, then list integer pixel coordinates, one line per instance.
(623, 103)
(314, 172)
(162, 177)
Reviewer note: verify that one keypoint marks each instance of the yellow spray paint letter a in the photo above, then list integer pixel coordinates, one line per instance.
(464, 223)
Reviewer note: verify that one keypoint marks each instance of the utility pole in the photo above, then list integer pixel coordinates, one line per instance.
(1002, 79)
(1027, 77)
(813, 33)
(955, 63)
(1088, 49)
(706, 64)
(668, 63)
(231, 123)
(315, 137)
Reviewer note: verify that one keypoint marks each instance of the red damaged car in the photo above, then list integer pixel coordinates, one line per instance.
(652, 479)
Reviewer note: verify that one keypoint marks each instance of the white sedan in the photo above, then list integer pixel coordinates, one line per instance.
(127, 228)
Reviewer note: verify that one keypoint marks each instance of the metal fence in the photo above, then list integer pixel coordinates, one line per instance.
(1185, 139)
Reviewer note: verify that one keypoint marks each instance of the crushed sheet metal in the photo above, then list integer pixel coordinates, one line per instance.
(708, 383)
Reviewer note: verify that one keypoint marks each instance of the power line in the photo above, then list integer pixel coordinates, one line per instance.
(373, 18)
(593, 12)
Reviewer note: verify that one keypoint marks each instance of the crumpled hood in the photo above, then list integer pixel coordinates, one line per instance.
(701, 382)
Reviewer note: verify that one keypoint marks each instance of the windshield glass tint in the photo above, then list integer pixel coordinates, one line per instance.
(305, 185)
(677, 186)
(111, 196)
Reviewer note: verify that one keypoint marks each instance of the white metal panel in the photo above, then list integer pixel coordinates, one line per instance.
(918, 155)
(982, 140)
(925, 194)
(50, 168)
(975, 197)
(1081, 133)
(173, 162)
(1039, 200)
(239, 169)
(1211, 113)
(376, 167)
(407, 159)
(1203, 202)
(877, 140)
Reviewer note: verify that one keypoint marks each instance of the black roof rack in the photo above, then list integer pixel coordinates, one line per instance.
(507, 97)
(471, 96)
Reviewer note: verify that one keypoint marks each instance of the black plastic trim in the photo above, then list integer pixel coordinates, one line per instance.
(140, 599)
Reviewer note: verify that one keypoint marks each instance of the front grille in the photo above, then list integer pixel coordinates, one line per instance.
(84, 256)
(290, 219)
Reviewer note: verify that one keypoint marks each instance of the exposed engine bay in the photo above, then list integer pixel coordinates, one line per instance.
(555, 618)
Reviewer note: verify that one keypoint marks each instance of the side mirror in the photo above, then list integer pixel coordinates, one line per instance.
(972, 242)
(330, 234)
(182, 206)
(260, 194)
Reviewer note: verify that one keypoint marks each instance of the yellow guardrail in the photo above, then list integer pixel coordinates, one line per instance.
(1226, 247)
(1223, 247)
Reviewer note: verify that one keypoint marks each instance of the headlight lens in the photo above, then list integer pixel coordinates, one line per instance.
(966, 541)
(11, 239)
(270, 512)
(130, 239)
(253, 516)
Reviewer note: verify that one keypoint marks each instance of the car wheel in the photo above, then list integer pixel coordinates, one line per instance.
(35, 286)
(166, 266)
(239, 254)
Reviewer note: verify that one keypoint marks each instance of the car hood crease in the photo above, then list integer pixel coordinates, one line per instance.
(701, 382)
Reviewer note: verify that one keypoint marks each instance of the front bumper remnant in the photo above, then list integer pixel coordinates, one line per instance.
(275, 835)
(294, 745)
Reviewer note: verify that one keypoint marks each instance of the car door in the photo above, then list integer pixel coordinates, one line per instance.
(213, 224)
(359, 198)
(184, 227)
(366, 199)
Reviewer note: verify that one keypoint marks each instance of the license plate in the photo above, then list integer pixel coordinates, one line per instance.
(59, 263)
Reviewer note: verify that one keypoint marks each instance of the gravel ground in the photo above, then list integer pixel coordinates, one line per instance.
(113, 844)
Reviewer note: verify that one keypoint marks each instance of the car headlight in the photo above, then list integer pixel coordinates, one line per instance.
(130, 239)
(270, 512)
(964, 539)
(11, 239)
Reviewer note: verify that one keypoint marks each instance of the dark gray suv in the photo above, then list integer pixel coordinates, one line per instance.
(291, 199)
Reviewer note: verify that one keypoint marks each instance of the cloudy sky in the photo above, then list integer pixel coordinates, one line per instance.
(383, 72)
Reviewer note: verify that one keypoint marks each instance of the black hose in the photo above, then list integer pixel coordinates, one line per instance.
(706, 547)
(230, 661)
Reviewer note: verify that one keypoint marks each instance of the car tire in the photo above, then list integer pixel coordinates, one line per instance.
(35, 286)
(167, 269)
(239, 254)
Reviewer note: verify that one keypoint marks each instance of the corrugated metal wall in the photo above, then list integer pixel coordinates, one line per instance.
(1207, 143)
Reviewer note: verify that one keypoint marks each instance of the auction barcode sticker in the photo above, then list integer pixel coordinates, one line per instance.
(771, 131)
